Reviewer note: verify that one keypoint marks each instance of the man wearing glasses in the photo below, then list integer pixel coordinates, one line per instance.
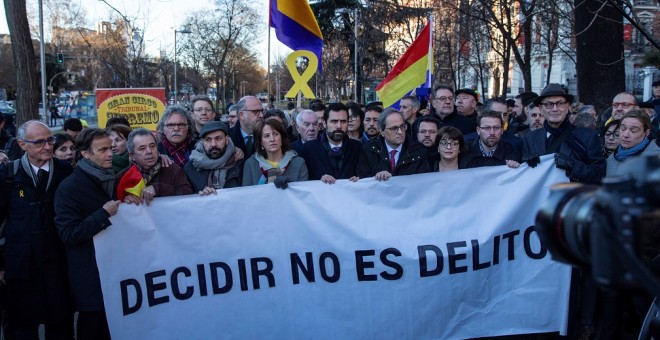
(250, 112)
(391, 154)
(34, 267)
(576, 149)
(622, 104)
(443, 104)
(175, 130)
(487, 150)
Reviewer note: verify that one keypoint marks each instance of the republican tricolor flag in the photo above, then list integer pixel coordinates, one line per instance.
(411, 71)
(296, 26)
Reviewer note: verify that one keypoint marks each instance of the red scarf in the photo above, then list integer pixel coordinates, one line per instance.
(177, 152)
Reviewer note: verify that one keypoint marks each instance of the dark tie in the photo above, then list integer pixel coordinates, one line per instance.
(392, 160)
(249, 145)
(42, 176)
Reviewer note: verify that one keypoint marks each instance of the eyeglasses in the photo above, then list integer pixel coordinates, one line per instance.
(395, 129)
(203, 109)
(491, 128)
(232, 116)
(40, 142)
(444, 99)
(623, 105)
(257, 112)
(609, 135)
(550, 105)
(428, 132)
(173, 126)
(353, 118)
(446, 143)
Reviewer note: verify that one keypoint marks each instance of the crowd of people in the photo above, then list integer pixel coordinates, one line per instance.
(58, 191)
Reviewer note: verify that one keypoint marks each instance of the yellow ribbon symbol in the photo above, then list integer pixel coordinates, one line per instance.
(21, 194)
(300, 80)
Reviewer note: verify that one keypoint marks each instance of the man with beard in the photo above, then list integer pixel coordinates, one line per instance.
(622, 104)
(213, 164)
(370, 123)
(250, 112)
(487, 150)
(391, 154)
(308, 129)
(427, 134)
(535, 119)
(333, 156)
(159, 181)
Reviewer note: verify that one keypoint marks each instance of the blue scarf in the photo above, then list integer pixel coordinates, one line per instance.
(622, 154)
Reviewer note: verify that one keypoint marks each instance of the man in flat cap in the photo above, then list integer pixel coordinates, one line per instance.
(576, 149)
(466, 104)
(213, 163)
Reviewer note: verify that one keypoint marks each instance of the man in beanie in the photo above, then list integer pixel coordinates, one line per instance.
(213, 163)
(576, 149)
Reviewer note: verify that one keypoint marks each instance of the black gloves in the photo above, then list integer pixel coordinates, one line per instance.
(564, 162)
(281, 182)
(532, 160)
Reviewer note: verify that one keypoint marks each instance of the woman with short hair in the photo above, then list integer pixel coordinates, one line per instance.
(634, 130)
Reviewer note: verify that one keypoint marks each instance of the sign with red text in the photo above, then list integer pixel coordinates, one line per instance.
(142, 107)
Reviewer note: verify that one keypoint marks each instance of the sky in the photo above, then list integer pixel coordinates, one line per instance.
(162, 16)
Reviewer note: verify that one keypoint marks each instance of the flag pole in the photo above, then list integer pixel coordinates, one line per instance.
(429, 83)
(268, 70)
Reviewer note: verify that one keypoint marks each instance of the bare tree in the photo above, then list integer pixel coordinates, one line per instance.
(218, 35)
(27, 94)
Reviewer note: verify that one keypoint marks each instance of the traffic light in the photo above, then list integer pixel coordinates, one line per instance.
(60, 58)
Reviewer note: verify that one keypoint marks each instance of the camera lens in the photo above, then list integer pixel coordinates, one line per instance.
(564, 220)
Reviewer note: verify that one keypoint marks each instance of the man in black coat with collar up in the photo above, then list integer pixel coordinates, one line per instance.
(333, 156)
(577, 150)
(391, 154)
(83, 206)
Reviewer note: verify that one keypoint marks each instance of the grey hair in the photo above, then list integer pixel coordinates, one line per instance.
(413, 100)
(130, 141)
(240, 105)
(383, 117)
(299, 117)
(174, 109)
(20, 134)
(232, 108)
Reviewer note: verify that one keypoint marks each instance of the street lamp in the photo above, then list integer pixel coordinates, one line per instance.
(355, 47)
(183, 31)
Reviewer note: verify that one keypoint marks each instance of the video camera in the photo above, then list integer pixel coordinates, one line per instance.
(612, 232)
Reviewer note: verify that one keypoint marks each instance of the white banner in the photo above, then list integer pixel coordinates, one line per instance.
(441, 255)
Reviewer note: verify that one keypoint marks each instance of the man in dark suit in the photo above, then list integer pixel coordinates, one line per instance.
(333, 156)
(577, 150)
(250, 112)
(391, 154)
(34, 265)
(308, 129)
